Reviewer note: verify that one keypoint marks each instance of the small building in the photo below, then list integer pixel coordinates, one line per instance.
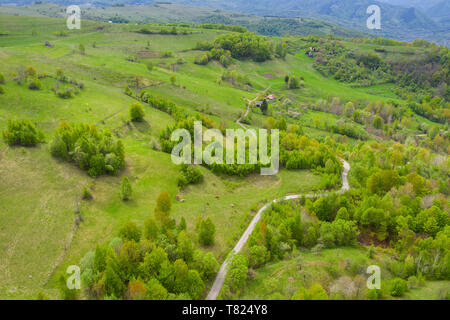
(271, 98)
(258, 104)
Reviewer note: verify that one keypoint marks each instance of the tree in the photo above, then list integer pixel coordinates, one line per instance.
(112, 281)
(155, 291)
(377, 122)
(185, 249)
(181, 273)
(151, 229)
(137, 113)
(195, 285)
(23, 133)
(82, 48)
(173, 79)
(125, 189)
(264, 106)
(316, 292)
(206, 232)
(164, 202)
(162, 210)
(258, 256)
(152, 264)
(206, 264)
(130, 231)
(237, 271)
(398, 287)
(136, 290)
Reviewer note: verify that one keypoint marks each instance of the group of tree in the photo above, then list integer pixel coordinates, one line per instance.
(94, 150)
(158, 263)
(22, 133)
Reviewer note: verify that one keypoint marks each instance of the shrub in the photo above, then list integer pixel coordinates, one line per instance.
(22, 132)
(137, 112)
(34, 84)
(65, 93)
(189, 175)
(87, 195)
(130, 231)
(91, 149)
(2, 79)
(206, 231)
(2, 90)
(398, 287)
(125, 189)
(258, 256)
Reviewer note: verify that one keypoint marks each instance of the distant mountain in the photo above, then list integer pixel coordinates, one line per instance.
(402, 22)
(400, 19)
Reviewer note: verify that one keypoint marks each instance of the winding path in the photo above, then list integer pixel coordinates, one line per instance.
(220, 278)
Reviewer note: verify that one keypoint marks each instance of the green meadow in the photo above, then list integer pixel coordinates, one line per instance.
(40, 196)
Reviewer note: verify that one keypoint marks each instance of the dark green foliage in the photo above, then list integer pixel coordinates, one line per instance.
(125, 189)
(137, 112)
(264, 106)
(338, 233)
(398, 287)
(237, 272)
(159, 268)
(151, 229)
(34, 84)
(206, 264)
(258, 256)
(189, 175)
(2, 79)
(245, 46)
(206, 231)
(130, 231)
(23, 133)
(91, 149)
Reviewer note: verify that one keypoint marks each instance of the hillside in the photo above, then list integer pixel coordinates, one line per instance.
(173, 13)
(402, 20)
(88, 179)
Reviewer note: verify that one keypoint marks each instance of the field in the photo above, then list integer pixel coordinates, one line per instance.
(40, 196)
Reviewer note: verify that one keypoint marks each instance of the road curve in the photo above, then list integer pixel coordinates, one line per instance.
(220, 278)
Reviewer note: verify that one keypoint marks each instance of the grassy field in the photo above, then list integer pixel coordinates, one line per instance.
(39, 194)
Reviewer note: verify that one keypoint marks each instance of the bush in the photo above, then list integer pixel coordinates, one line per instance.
(2, 90)
(34, 84)
(87, 195)
(130, 231)
(206, 231)
(137, 112)
(125, 189)
(189, 175)
(2, 79)
(91, 149)
(65, 93)
(398, 287)
(22, 132)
